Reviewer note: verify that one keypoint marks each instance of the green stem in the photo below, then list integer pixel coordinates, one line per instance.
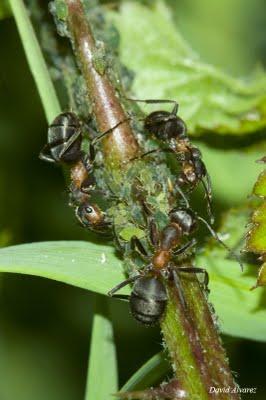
(36, 60)
(192, 339)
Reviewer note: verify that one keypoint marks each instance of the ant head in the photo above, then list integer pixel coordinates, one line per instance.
(165, 125)
(89, 215)
(185, 218)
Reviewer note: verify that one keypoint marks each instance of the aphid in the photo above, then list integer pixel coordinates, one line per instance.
(171, 130)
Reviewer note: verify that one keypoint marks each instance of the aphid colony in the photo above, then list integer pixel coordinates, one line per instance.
(165, 244)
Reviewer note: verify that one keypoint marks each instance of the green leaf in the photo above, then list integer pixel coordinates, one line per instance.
(36, 60)
(256, 235)
(241, 312)
(150, 372)
(102, 380)
(260, 186)
(256, 238)
(86, 265)
(96, 268)
(166, 67)
(4, 9)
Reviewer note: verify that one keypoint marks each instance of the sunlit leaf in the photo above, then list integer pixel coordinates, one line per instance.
(166, 67)
(86, 265)
(96, 268)
(256, 235)
(102, 377)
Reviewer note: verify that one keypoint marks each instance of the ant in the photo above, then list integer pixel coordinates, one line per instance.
(148, 298)
(172, 130)
(64, 146)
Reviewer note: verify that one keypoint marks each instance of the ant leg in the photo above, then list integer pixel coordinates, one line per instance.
(184, 248)
(138, 246)
(159, 150)
(214, 234)
(208, 193)
(122, 284)
(154, 233)
(69, 143)
(195, 270)
(95, 140)
(179, 289)
(45, 155)
(152, 101)
(182, 194)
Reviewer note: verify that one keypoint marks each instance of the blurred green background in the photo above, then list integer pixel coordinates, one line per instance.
(45, 326)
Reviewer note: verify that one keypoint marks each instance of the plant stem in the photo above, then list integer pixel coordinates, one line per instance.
(120, 145)
(189, 331)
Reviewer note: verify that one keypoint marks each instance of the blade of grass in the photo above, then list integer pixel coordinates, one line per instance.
(102, 379)
(149, 373)
(36, 60)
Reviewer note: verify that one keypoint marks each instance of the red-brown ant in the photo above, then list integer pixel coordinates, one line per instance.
(148, 297)
(171, 129)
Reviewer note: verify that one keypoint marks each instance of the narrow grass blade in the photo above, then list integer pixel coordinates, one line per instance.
(36, 60)
(102, 378)
(150, 372)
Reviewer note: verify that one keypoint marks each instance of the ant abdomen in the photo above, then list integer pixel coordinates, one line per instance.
(148, 300)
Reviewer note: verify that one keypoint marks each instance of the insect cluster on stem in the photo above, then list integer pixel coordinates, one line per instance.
(163, 246)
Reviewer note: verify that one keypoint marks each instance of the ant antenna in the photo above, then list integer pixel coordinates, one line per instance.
(152, 101)
(214, 234)
(208, 194)
(95, 140)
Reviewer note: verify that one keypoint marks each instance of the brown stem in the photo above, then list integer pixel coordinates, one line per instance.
(120, 145)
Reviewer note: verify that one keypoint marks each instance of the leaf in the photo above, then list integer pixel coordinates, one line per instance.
(96, 268)
(260, 186)
(5, 11)
(86, 265)
(256, 235)
(150, 372)
(36, 60)
(166, 67)
(102, 377)
(241, 312)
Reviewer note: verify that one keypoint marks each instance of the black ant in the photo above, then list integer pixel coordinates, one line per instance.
(64, 146)
(148, 297)
(171, 129)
